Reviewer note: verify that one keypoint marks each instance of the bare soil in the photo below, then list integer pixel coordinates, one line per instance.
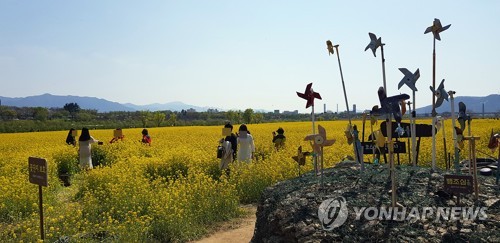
(236, 230)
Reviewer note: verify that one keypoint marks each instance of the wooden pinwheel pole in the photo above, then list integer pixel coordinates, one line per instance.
(472, 159)
(300, 158)
(410, 80)
(412, 155)
(436, 28)
(310, 95)
(455, 142)
(434, 113)
(318, 141)
(330, 50)
(373, 45)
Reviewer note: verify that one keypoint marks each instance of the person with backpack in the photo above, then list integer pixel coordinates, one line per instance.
(227, 147)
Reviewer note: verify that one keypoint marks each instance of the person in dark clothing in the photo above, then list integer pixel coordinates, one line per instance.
(232, 139)
(70, 139)
(279, 140)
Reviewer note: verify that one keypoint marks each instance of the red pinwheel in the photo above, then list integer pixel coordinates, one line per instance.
(309, 95)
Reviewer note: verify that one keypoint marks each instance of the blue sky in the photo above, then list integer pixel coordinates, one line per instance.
(243, 54)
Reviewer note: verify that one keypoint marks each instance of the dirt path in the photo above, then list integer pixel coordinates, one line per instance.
(239, 230)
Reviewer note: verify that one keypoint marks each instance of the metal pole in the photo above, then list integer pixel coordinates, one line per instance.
(413, 133)
(434, 105)
(455, 142)
(473, 148)
(391, 160)
(40, 207)
(383, 66)
(444, 144)
(321, 166)
(315, 157)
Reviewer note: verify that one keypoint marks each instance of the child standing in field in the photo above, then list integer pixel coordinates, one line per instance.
(279, 140)
(146, 139)
(85, 144)
(246, 144)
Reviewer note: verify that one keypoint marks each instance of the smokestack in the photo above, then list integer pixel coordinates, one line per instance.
(324, 108)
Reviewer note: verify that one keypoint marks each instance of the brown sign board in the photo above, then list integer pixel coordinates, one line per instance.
(37, 168)
(458, 183)
(399, 148)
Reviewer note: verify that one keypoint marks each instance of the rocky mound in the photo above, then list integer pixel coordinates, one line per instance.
(288, 211)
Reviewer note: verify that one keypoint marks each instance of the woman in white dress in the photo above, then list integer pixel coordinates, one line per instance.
(85, 144)
(246, 146)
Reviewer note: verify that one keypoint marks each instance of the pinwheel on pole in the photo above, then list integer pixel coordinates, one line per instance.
(300, 158)
(357, 153)
(410, 79)
(373, 45)
(310, 95)
(390, 106)
(441, 95)
(455, 137)
(318, 141)
(462, 118)
(435, 28)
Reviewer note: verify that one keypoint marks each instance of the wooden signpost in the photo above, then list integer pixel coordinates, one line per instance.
(472, 160)
(37, 168)
(458, 184)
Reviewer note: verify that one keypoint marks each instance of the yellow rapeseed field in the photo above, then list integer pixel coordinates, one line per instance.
(169, 191)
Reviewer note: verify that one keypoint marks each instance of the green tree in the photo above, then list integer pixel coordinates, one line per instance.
(258, 117)
(145, 116)
(233, 116)
(60, 114)
(7, 114)
(158, 118)
(172, 119)
(40, 113)
(72, 108)
(248, 116)
(85, 116)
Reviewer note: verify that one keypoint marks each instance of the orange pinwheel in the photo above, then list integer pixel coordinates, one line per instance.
(319, 140)
(301, 156)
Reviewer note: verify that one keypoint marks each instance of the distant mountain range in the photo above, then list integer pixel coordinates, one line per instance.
(473, 104)
(101, 105)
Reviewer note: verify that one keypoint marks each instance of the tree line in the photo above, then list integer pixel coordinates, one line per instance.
(26, 119)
